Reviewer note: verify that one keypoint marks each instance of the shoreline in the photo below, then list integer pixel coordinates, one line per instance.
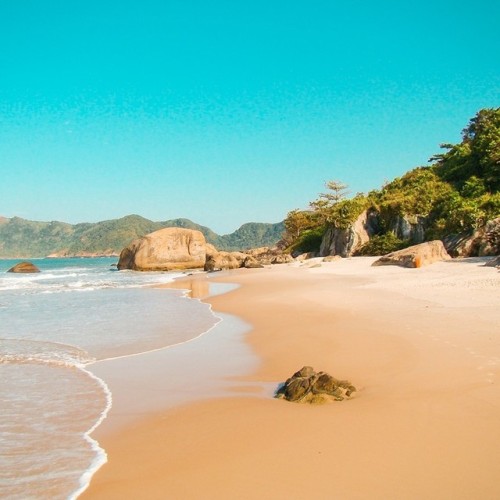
(420, 350)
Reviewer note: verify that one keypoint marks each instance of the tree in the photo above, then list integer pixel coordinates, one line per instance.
(324, 205)
(296, 222)
(477, 155)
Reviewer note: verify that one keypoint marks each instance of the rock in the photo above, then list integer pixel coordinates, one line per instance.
(345, 242)
(167, 249)
(24, 267)
(210, 250)
(494, 262)
(332, 258)
(483, 242)
(252, 263)
(254, 258)
(267, 256)
(307, 386)
(259, 252)
(415, 256)
(284, 258)
(305, 256)
(225, 260)
(409, 228)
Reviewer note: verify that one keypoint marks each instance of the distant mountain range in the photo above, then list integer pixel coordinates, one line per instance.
(21, 238)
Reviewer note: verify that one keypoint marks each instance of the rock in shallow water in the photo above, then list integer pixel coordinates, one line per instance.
(24, 267)
(308, 386)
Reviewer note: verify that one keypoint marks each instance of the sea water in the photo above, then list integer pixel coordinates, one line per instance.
(52, 325)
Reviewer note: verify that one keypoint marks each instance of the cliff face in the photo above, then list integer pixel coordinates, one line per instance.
(485, 241)
(410, 228)
(345, 242)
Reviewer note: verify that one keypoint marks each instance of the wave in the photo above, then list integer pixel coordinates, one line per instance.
(77, 279)
(21, 351)
(101, 456)
(56, 355)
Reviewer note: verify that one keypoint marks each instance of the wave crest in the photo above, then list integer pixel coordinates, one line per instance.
(23, 351)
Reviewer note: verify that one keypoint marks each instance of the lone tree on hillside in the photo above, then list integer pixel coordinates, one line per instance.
(324, 205)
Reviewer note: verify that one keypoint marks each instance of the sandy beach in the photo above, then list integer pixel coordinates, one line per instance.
(422, 346)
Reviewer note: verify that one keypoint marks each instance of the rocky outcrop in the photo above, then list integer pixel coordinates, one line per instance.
(483, 242)
(415, 256)
(24, 267)
(270, 255)
(345, 242)
(224, 260)
(409, 228)
(307, 386)
(255, 258)
(167, 249)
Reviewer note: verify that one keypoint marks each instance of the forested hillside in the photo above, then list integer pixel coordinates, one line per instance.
(20, 238)
(456, 194)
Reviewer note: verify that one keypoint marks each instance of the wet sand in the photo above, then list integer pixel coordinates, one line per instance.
(421, 345)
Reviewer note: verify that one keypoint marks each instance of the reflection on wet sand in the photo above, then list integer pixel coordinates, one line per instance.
(197, 288)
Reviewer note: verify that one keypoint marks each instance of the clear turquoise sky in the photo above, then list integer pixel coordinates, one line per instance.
(228, 112)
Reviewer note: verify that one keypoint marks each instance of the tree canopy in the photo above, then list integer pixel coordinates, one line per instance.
(478, 155)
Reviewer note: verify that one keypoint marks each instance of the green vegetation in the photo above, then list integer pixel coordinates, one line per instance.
(458, 193)
(20, 238)
(382, 244)
(309, 241)
(250, 235)
(477, 156)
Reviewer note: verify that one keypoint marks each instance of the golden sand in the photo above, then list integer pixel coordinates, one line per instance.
(422, 346)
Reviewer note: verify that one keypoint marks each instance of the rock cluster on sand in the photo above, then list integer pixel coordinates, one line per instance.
(255, 258)
(415, 256)
(24, 267)
(168, 249)
(176, 248)
(308, 386)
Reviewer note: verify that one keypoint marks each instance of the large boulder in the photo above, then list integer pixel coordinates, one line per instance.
(24, 267)
(168, 249)
(415, 256)
(308, 386)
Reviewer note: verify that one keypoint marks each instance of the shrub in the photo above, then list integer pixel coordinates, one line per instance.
(382, 244)
(309, 241)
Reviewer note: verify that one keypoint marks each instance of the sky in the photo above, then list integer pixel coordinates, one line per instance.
(227, 112)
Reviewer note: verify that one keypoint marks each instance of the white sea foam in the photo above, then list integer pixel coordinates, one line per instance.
(46, 322)
(101, 456)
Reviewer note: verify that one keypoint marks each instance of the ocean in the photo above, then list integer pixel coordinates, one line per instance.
(53, 326)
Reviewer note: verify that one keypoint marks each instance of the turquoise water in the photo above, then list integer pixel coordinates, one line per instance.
(54, 324)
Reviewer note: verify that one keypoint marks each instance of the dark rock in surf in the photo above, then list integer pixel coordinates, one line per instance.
(24, 267)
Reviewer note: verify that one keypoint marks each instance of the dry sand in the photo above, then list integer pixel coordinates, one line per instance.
(422, 346)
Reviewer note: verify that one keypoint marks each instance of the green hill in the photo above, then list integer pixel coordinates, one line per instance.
(453, 197)
(20, 238)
